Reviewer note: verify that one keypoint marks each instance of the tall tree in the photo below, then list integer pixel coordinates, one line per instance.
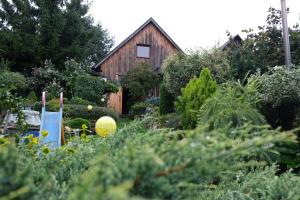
(263, 49)
(32, 31)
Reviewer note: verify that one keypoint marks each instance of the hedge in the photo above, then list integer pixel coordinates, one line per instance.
(80, 111)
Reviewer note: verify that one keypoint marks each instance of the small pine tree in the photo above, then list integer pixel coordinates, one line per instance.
(193, 96)
(166, 102)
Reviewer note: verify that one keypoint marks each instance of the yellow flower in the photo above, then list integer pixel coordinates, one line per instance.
(84, 126)
(34, 140)
(46, 150)
(44, 133)
(29, 137)
(83, 136)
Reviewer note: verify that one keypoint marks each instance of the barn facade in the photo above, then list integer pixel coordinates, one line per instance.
(148, 44)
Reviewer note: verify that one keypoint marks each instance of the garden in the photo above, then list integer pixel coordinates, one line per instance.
(226, 124)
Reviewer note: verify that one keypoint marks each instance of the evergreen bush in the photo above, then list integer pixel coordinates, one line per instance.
(167, 100)
(232, 105)
(193, 97)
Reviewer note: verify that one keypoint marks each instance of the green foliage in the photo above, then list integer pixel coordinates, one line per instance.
(31, 98)
(280, 94)
(166, 104)
(47, 78)
(153, 101)
(280, 87)
(262, 183)
(78, 122)
(180, 68)
(73, 70)
(193, 97)
(155, 164)
(139, 81)
(79, 101)
(93, 88)
(14, 104)
(232, 105)
(263, 49)
(138, 109)
(33, 31)
(75, 111)
(13, 81)
(15, 179)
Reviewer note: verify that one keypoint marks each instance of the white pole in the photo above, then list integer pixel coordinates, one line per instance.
(285, 32)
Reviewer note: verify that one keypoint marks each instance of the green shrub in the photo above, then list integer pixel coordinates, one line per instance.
(81, 111)
(13, 81)
(171, 120)
(79, 101)
(232, 105)
(193, 96)
(138, 109)
(280, 96)
(153, 101)
(15, 179)
(46, 78)
(166, 104)
(31, 98)
(93, 88)
(139, 81)
(180, 68)
(152, 164)
(78, 122)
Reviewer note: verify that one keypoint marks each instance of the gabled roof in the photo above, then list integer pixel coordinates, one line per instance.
(151, 20)
(236, 39)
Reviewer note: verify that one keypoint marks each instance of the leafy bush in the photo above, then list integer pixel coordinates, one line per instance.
(261, 183)
(171, 120)
(280, 94)
(262, 48)
(232, 105)
(78, 122)
(13, 81)
(154, 101)
(178, 69)
(193, 96)
(46, 77)
(93, 88)
(79, 101)
(156, 164)
(167, 100)
(75, 111)
(31, 98)
(15, 179)
(138, 109)
(139, 81)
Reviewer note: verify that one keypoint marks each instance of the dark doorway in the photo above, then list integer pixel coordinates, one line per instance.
(125, 101)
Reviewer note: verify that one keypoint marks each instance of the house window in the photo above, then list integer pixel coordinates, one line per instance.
(143, 51)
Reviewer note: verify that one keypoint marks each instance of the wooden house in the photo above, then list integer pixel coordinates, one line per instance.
(148, 44)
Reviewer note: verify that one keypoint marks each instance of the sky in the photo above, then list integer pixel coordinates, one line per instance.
(190, 23)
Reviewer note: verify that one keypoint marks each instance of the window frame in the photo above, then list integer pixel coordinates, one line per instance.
(143, 45)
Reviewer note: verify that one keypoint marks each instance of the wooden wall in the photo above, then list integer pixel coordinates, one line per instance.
(115, 101)
(125, 57)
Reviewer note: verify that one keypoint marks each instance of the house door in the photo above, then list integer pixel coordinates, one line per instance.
(125, 101)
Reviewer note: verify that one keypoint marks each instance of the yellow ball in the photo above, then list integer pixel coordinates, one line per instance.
(90, 107)
(105, 126)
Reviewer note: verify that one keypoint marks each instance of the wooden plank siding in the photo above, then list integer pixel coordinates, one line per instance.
(124, 57)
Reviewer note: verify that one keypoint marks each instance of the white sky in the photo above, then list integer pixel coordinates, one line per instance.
(190, 23)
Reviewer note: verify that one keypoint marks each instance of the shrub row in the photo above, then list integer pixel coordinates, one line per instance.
(79, 111)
